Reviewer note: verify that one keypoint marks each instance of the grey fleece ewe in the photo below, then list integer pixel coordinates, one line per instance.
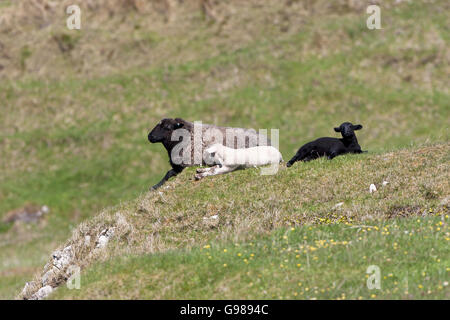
(169, 133)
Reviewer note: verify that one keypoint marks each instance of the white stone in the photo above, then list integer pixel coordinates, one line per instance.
(372, 188)
(102, 241)
(26, 287)
(62, 258)
(42, 293)
(47, 276)
(104, 237)
(445, 201)
(214, 217)
(338, 205)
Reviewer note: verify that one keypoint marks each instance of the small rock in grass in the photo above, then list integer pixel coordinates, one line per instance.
(49, 276)
(27, 286)
(102, 241)
(372, 188)
(62, 258)
(212, 221)
(104, 237)
(28, 213)
(445, 201)
(338, 205)
(42, 293)
(212, 217)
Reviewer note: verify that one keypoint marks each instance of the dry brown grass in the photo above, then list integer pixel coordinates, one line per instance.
(34, 39)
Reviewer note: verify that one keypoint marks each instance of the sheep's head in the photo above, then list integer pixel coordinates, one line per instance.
(347, 129)
(209, 156)
(164, 129)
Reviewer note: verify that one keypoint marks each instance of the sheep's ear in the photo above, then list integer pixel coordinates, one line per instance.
(357, 127)
(338, 129)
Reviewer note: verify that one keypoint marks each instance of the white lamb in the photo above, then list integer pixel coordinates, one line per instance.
(228, 159)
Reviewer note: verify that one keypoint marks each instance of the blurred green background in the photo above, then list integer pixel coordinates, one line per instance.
(76, 105)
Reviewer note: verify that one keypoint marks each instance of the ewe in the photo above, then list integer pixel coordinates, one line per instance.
(196, 138)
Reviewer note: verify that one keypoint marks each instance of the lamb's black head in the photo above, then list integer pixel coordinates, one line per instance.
(164, 129)
(347, 129)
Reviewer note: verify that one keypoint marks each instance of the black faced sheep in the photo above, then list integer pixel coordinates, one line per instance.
(185, 142)
(330, 147)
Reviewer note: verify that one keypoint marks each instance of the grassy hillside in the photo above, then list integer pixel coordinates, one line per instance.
(402, 228)
(317, 262)
(77, 107)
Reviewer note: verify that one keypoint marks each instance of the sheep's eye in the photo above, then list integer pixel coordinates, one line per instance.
(213, 154)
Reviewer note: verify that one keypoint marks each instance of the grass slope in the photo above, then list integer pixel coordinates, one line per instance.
(316, 262)
(402, 228)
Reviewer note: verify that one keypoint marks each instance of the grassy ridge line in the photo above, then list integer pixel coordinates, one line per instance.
(315, 262)
(249, 205)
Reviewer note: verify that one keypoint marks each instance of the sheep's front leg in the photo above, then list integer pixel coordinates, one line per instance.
(203, 172)
(215, 171)
(333, 155)
(171, 173)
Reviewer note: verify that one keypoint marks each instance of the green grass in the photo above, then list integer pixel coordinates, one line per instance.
(176, 222)
(73, 127)
(316, 262)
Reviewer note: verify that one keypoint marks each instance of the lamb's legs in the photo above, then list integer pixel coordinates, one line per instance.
(215, 171)
(332, 155)
(201, 170)
(299, 156)
(292, 161)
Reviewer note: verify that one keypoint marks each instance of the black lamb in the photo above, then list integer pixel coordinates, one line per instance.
(330, 147)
